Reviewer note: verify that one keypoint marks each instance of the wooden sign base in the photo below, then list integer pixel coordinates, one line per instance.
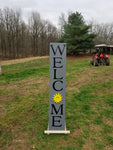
(57, 131)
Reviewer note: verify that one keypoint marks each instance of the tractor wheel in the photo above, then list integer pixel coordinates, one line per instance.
(95, 62)
(107, 62)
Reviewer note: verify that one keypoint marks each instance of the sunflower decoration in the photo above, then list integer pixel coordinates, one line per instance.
(57, 98)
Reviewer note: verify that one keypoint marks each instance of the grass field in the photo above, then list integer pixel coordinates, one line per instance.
(24, 93)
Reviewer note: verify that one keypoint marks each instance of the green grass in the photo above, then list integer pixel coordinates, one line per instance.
(24, 97)
(23, 71)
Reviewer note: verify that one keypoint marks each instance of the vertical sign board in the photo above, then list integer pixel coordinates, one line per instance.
(57, 88)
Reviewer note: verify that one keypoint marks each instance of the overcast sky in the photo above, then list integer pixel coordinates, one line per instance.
(98, 10)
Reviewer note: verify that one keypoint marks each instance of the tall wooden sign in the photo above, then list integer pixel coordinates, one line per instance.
(57, 89)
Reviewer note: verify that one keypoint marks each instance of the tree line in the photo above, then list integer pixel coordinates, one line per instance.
(20, 39)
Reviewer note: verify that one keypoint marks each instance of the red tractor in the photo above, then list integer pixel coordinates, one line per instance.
(100, 58)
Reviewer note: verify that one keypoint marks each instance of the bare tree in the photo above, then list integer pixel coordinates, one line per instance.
(62, 22)
(35, 27)
(103, 31)
(18, 39)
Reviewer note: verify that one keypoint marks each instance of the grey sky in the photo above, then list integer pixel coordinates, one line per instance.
(100, 11)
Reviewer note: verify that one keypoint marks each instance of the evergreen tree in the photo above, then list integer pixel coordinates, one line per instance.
(76, 34)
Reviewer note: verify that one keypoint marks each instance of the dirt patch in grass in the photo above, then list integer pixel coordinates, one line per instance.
(24, 88)
(19, 141)
(34, 85)
(76, 132)
(21, 60)
(79, 81)
(89, 143)
(108, 121)
(95, 128)
(90, 75)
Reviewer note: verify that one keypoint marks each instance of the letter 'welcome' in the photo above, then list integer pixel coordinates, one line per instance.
(57, 89)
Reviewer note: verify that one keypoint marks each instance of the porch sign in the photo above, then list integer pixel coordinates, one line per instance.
(57, 89)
